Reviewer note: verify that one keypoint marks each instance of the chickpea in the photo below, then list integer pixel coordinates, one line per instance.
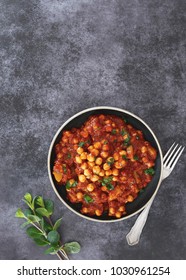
(144, 149)
(98, 212)
(79, 195)
(67, 133)
(105, 147)
(117, 165)
(102, 117)
(91, 164)
(90, 187)
(75, 140)
(84, 165)
(83, 155)
(71, 181)
(115, 179)
(95, 152)
(82, 178)
(87, 173)
(102, 173)
(104, 154)
(99, 161)
(75, 147)
(78, 159)
(90, 148)
(130, 198)
(121, 209)
(112, 210)
(122, 178)
(94, 178)
(90, 158)
(108, 172)
(104, 188)
(85, 210)
(118, 214)
(84, 134)
(97, 145)
(59, 155)
(122, 153)
(106, 166)
(96, 169)
(80, 150)
(115, 172)
(116, 156)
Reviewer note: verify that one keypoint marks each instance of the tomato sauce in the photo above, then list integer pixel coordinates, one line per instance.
(103, 164)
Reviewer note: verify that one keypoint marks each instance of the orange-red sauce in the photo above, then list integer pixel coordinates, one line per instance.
(103, 164)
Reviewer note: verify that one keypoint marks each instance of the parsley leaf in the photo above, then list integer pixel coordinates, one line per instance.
(149, 171)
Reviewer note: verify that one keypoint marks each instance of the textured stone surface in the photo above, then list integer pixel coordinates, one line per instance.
(59, 57)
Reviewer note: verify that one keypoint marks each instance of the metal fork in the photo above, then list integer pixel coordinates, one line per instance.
(169, 161)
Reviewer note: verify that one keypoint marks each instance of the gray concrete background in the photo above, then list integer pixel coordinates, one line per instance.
(59, 57)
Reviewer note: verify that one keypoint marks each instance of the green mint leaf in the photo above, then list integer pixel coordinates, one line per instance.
(41, 241)
(33, 232)
(45, 226)
(25, 224)
(52, 250)
(19, 213)
(43, 212)
(57, 224)
(72, 247)
(53, 237)
(49, 205)
(39, 201)
(27, 212)
(149, 171)
(34, 218)
(28, 197)
(88, 199)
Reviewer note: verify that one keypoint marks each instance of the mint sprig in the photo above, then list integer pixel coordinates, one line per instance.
(41, 228)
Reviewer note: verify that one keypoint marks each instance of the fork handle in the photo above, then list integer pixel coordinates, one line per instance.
(134, 235)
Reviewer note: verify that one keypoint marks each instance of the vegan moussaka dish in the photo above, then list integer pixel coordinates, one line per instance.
(103, 165)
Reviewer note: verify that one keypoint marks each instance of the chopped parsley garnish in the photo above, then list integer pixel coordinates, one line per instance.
(125, 120)
(105, 142)
(88, 199)
(64, 168)
(107, 182)
(124, 157)
(69, 185)
(126, 141)
(81, 144)
(114, 131)
(136, 157)
(123, 132)
(69, 155)
(149, 171)
(110, 161)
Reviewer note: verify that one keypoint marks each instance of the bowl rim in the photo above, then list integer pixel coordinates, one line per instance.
(114, 109)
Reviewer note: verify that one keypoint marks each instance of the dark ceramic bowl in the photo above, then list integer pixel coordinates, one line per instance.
(143, 198)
